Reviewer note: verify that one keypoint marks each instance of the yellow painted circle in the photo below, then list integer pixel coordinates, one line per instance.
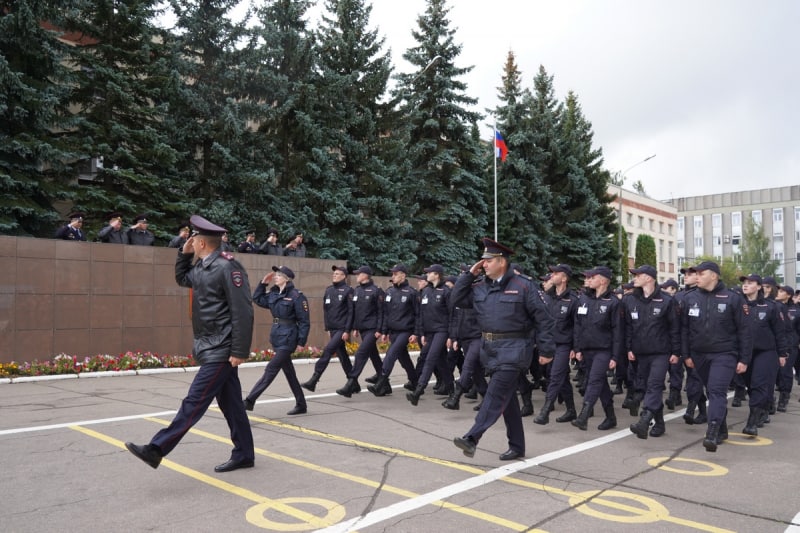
(256, 514)
(713, 469)
(748, 440)
(652, 511)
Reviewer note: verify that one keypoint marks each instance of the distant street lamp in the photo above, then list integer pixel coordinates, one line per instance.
(621, 181)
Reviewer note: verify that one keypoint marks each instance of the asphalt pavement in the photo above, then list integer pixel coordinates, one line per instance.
(373, 464)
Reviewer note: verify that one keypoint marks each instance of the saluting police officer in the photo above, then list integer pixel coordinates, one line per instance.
(289, 333)
(652, 337)
(337, 308)
(598, 340)
(716, 342)
(367, 319)
(222, 321)
(508, 308)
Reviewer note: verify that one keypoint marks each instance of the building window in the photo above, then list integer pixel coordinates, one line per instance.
(736, 219)
(630, 219)
(652, 225)
(680, 224)
(777, 222)
(669, 229)
(641, 222)
(698, 222)
(669, 248)
(660, 250)
(756, 214)
(660, 226)
(698, 243)
(716, 220)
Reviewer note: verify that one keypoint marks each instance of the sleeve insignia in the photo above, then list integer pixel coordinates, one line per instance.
(237, 278)
(305, 306)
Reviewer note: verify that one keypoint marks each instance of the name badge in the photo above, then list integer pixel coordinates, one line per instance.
(635, 315)
(425, 300)
(327, 301)
(694, 311)
(355, 298)
(583, 310)
(388, 298)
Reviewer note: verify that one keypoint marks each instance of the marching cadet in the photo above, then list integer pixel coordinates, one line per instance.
(770, 350)
(433, 322)
(337, 308)
(694, 385)
(652, 338)
(400, 310)
(563, 303)
(367, 319)
(507, 309)
(716, 342)
(785, 378)
(289, 333)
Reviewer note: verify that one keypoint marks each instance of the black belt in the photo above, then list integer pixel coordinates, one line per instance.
(489, 336)
(284, 321)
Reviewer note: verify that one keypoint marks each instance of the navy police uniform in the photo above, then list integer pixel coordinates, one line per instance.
(290, 327)
(367, 319)
(715, 337)
(508, 310)
(222, 321)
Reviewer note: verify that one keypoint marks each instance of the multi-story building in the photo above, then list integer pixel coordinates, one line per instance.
(713, 225)
(642, 215)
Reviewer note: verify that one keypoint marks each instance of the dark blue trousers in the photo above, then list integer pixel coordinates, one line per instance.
(367, 350)
(335, 345)
(559, 375)
(694, 385)
(435, 353)
(676, 373)
(652, 370)
(597, 384)
(501, 399)
(282, 360)
(715, 371)
(213, 380)
(398, 351)
(472, 370)
(785, 373)
(760, 377)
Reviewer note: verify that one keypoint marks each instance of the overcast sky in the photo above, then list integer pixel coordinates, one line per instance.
(711, 87)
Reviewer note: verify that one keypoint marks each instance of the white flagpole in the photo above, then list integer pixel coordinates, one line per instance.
(494, 157)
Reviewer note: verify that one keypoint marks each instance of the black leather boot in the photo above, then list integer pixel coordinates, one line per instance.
(570, 413)
(688, 416)
(738, 396)
(642, 426)
(582, 422)
(626, 403)
(673, 399)
(783, 402)
(350, 388)
(659, 428)
(751, 426)
(527, 404)
(381, 387)
(712, 433)
(771, 405)
(543, 418)
(633, 407)
(372, 379)
(472, 394)
(702, 415)
(610, 421)
(453, 401)
(413, 397)
(311, 384)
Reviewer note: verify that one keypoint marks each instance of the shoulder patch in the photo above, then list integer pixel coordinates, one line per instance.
(237, 278)
(227, 255)
(305, 306)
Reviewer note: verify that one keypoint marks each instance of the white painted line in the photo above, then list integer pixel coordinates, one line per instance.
(795, 527)
(444, 493)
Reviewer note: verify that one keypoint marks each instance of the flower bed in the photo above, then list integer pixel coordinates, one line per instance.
(71, 364)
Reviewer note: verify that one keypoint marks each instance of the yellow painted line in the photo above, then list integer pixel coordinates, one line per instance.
(473, 470)
(298, 514)
(515, 526)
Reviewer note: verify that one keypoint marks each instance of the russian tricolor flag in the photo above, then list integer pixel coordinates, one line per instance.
(500, 148)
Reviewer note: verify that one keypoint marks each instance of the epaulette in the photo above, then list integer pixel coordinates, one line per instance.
(227, 255)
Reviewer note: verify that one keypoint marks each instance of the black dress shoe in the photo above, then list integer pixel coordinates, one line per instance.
(234, 465)
(466, 444)
(298, 410)
(249, 404)
(510, 455)
(147, 453)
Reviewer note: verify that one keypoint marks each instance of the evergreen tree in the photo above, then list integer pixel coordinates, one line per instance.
(209, 113)
(444, 162)
(523, 209)
(34, 157)
(755, 251)
(645, 251)
(362, 213)
(588, 222)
